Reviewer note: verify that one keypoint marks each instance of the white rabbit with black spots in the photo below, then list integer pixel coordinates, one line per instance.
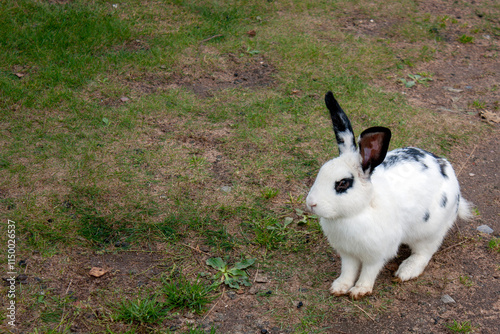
(371, 201)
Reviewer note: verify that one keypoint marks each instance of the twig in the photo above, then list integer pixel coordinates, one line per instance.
(455, 245)
(68, 287)
(366, 313)
(211, 37)
(255, 278)
(217, 302)
(466, 160)
(195, 249)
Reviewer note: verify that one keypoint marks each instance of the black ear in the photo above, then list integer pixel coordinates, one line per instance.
(341, 125)
(373, 146)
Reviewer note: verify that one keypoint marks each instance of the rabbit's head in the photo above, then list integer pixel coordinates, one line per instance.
(342, 187)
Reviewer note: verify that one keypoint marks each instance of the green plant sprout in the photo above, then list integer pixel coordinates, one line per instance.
(234, 276)
(416, 78)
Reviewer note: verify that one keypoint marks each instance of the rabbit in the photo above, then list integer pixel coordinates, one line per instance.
(371, 201)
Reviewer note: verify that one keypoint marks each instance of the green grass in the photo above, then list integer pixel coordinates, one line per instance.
(494, 244)
(83, 171)
(182, 294)
(148, 310)
(460, 327)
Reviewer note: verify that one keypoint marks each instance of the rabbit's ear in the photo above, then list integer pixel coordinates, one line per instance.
(341, 125)
(373, 146)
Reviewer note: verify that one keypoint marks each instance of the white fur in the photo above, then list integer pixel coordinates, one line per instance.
(368, 223)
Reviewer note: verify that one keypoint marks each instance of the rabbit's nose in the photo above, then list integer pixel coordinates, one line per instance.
(311, 205)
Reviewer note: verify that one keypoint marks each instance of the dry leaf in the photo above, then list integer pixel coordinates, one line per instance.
(489, 117)
(124, 99)
(19, 75)
(251, 33)
(97, 272)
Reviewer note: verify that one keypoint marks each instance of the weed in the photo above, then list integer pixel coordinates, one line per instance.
(234, 276)
(460, 327)
(464, 39)
(182, 294)
(305, 217)
(269, 193)
(416, 78)
(148, 310)
(219, 238)
(270, 233)
(466, 280)
(494, 244)
(199, 330)
(478, 104)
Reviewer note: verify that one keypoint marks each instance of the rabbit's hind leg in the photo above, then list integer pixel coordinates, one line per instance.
(420, 256)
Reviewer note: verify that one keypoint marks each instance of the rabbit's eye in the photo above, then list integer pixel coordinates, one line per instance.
(344, 184)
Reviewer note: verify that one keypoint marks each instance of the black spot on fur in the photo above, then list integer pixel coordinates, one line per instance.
(406, 154)
(442, 167)
(442, 164)
(444, 200)
(427, 216)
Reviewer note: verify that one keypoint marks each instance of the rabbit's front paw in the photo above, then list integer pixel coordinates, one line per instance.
(358, 292)
(339, 288)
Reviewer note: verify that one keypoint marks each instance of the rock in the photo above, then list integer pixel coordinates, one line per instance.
(485, 229)
(253, 290)
(97, 272)
(226, 189)
(261, 279)
(453, 90)
(231, 295)
(447, 299)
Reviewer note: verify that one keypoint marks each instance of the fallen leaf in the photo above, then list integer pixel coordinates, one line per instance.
(251, 33)
(97, 272)
(489, 117)
(124, 99)
(19, 75)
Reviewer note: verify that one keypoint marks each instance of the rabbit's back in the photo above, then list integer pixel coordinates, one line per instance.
(422, 187)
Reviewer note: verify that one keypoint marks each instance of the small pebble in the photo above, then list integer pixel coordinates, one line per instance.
(226, 189)
(485, 229)
(447, 299)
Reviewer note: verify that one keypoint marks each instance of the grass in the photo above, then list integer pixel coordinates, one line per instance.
(460, 327)
(147, 310)
(182, 294)
(494, 244)
(191, 160)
